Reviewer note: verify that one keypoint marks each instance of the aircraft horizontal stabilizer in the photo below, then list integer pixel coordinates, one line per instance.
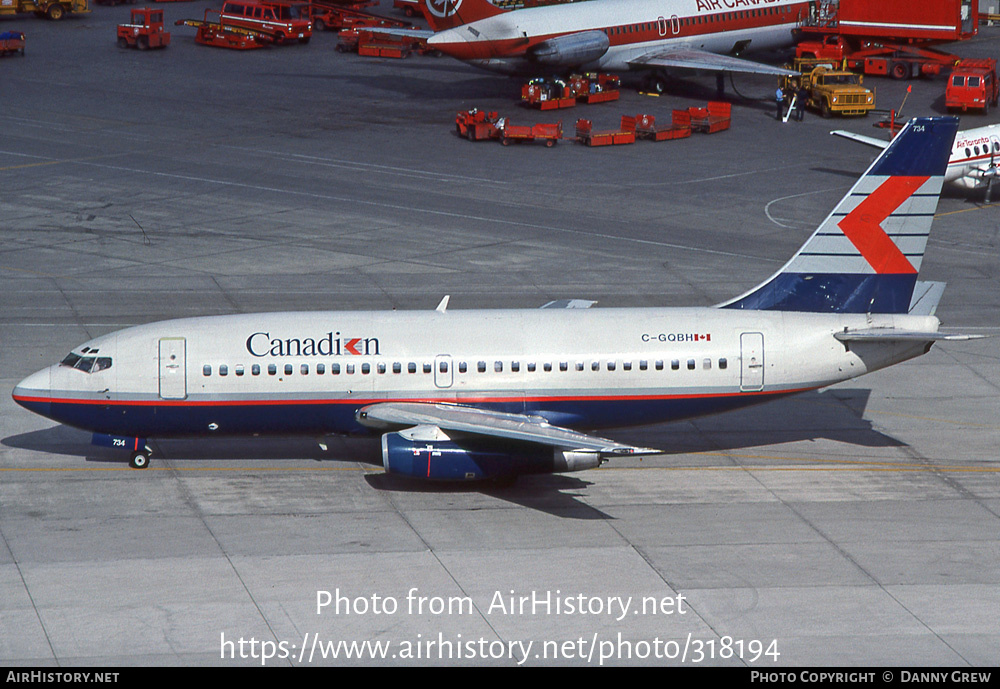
(894, 334)
(867, 140)
(522, 427)
(692, 58)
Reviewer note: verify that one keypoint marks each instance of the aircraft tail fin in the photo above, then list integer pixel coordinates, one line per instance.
(447, 14)
(864, 258)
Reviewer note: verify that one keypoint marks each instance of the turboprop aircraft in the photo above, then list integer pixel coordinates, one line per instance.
(488, 394)
(615, 35)
(974, 157)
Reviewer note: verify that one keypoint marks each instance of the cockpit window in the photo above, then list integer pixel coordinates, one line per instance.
(87, 364)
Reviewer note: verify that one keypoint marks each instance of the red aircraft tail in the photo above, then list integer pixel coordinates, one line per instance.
(446, 14)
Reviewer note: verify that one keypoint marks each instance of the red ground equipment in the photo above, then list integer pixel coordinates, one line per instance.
(549, 133)
(283, 21)
(890, 37)
(595, 88)
(586, 134)
(715, 118)
(477, 125)
(327, 14)
(548, 94)
(223, 35)
(679, 127)
(972, 85)
(144, 30)
(11, 42)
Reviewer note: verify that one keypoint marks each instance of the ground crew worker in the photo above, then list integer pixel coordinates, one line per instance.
(779, 101)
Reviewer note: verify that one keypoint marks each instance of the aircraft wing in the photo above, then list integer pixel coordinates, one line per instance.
(459, 418)
(692, 58)
(408, 33)
(868, 140)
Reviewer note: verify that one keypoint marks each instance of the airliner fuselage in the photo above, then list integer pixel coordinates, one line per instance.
(310, 373)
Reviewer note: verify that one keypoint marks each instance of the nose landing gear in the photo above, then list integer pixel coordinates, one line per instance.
(140, 458)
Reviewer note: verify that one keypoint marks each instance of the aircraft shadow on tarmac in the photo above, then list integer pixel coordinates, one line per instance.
(836, 415)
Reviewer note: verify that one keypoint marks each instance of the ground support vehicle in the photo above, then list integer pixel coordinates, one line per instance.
(330, 16)
(972, 85)
(144, 30)
(283, 21)
(891, 37)
(223, 35)
(715, 118)
(371, 44)
(586, 134)
(11, 42)
(53, 9)
(548, 94)
(679, 127)
(596, 88)
(549, 133)
(830, 91)
(477, 125)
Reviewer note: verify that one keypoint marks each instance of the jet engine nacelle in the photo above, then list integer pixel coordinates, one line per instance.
(476, 458)
(571, 50)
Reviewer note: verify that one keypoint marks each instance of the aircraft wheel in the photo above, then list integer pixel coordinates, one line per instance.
(140, 459)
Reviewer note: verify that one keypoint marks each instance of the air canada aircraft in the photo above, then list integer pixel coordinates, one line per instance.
(615, 35)
(490, 394)
(975, 157)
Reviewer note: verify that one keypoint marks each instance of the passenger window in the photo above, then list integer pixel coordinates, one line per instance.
(481, 367)
(595, 366)
(706, 364)
(659, 365)
(563, 366)
(462, 367)
(304, 369)
(238, 369)
(690, 364)
(427, 368)
(498, 367)
(723, 364)
(642, 365)
(366, 369)
(255, 370)
(579, 366)
(206, 370)
(335, 369)
(411, 367)
(288, 369)
(380, 367)
(546, 367)
(397, 367)
(675, 365)
(531, 367)
(443, 366)
(272, 369)
(349, 369)
(626, 365)
(611, 366)
(515, 366)
(320, 369)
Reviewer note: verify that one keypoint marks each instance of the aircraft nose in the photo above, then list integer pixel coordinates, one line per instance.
(34, 392)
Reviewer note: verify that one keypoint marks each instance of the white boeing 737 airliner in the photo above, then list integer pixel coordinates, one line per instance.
(474, 394)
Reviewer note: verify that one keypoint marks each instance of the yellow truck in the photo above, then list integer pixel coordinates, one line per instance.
(832, 91)
(53, 9)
